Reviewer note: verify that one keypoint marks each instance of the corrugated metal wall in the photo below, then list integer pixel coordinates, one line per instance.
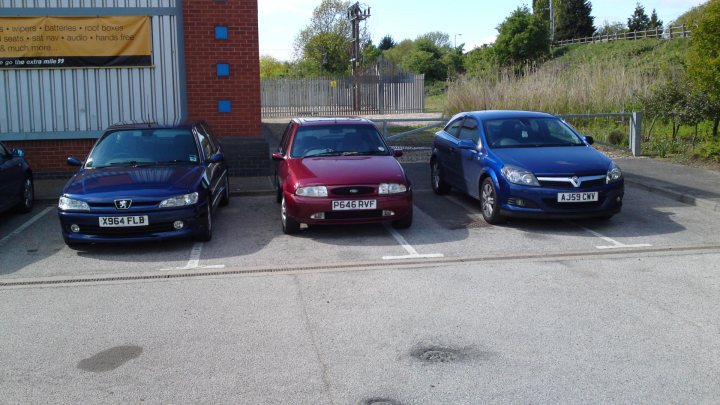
(81, 102)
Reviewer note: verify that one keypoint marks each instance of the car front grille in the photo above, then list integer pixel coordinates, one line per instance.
(355, 190)
(133, 205)
(125, 231)
(564, 182)
(353, 214)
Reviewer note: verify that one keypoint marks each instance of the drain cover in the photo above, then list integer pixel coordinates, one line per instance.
(438, 356)
(380, 401)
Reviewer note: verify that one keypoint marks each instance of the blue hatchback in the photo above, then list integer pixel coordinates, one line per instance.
(525, 164)
(145, 182)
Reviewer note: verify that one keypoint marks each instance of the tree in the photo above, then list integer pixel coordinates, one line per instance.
(639, 21)
(574, 20)
(324, 45)
(271, 67)
(704, 59)
(611, 28)
(654, 22)
(521, 37)
(386, 43)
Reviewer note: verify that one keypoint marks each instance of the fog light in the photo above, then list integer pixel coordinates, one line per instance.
(319, 215)
(74, 228)
(178, 225)
(388, 213)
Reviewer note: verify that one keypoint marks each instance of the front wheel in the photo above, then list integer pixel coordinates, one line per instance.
(28, 197)
(289, 225)
(405, 222)
(206, 234)
(490, 203)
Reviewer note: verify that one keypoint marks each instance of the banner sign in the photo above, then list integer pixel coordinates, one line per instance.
(74, 42)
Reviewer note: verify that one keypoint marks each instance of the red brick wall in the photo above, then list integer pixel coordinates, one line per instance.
(49, 158)
(240, 51)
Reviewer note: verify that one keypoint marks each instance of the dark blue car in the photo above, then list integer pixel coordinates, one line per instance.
(145, 182)
(16, 181)
(525, 164)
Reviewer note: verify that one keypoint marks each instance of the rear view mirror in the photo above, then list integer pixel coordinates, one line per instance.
(589, 139)
(18, 152)
(467, 144)
(216, 158)
(277, 156)
(397, 153)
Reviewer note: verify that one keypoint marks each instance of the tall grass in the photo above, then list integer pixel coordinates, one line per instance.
(556, 87)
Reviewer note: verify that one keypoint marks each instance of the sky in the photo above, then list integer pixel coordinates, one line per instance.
(472, 23)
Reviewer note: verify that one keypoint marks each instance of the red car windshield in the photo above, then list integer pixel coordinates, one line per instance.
(338, 140)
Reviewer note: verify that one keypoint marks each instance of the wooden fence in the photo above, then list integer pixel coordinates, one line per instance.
(659, 33)
(326, 96)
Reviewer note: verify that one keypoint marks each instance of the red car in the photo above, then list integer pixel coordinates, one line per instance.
(339, 171)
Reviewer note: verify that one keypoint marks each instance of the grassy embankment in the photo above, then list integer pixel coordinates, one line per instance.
(593, 78)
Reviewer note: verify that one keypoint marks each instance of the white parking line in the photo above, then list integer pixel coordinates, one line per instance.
(24, 226)
(194, 261)
(412, 253)
(615, 244)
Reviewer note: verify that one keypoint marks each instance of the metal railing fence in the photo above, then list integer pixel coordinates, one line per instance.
(326, 96)
(659, 33)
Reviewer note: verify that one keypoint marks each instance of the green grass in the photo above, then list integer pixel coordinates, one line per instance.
(435, 103)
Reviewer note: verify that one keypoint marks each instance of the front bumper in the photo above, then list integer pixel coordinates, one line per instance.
(160, 225)
(541, 202)
(302, 209)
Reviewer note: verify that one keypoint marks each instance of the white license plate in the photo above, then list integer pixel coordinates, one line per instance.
(111, 222)
(350, 205)
(577, 197)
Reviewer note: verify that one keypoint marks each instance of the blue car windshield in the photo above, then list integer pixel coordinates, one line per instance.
(338, 140)
(145, 147)
(529, 133)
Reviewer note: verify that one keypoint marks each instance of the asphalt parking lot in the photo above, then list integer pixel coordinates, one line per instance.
(449, 311)
(248, 238)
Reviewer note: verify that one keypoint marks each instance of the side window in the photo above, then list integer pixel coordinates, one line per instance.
(454, 127)
(285, 138)
(205, 143)
(469, 130)
(209, 133)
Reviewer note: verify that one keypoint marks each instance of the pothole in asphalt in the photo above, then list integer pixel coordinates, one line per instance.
(436, 355)
(380, 401)
(110, 359)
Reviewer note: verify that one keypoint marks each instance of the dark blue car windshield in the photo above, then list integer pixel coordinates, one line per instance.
(529, 133)
(144, 147)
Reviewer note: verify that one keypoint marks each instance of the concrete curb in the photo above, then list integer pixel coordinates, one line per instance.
(677, 196)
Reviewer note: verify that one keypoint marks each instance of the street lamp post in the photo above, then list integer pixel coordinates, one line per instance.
(456, 35)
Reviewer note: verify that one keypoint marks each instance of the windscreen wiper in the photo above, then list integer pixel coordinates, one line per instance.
(324, 154)
(131, 163)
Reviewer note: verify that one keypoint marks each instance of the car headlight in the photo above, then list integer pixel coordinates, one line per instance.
(71, 204)
(391, 188)
(614, 174)
(520, 176)
(180, 201)
(313, 191)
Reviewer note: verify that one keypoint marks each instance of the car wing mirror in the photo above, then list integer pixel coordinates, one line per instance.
(216, 158)
(397, 153)
(277, 156)
(467, 144)
(73, 161)
(18, 152)
(589, 139)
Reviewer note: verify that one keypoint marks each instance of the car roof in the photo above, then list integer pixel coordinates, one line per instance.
(322, 121)
(504, 114)
(153, 124)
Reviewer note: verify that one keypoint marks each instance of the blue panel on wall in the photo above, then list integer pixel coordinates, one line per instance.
(221, 32)
(223, 70)
(224, 106)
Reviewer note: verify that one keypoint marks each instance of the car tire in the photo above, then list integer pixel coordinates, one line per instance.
(225, 199)
(289, 225)
(28, 198)
(405, 222)
(489, 203)
(73, 245)
(207, 231)
(439, 186)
